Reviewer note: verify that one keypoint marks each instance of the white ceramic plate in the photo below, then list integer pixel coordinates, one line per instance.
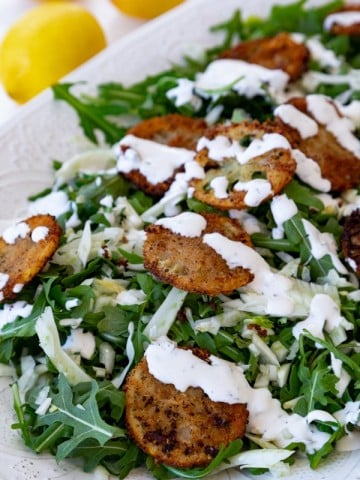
(45, 130)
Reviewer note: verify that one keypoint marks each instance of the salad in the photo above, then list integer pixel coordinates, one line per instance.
(185, 296)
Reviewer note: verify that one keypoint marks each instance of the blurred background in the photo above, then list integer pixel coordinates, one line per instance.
(38, 44)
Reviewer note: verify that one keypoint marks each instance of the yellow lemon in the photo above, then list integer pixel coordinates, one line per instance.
(145, 8)
(44, 45)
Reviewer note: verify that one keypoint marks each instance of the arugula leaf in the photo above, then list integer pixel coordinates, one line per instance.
(225, 452)
(295, 233)
(91, 117)
(85, 419)
(317, 383)
(317, 457)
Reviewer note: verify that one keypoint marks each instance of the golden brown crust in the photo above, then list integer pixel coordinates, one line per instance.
(190, 264)
(340, 166)
(277, 52)
(179, 429)
(352, 30)
(24, 259)
(277, 166)
(174, 130)
(350, 239)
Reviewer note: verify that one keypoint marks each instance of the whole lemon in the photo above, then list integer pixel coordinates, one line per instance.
(45, 44)
(145, 8)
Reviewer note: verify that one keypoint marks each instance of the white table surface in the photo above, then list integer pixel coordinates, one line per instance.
(114, 23)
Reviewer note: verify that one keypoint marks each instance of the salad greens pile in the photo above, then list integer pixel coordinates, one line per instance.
(84, 320)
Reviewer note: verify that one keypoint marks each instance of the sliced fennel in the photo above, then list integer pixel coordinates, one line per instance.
(49, 340)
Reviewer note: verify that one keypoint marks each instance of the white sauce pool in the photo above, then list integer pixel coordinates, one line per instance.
(324, 315)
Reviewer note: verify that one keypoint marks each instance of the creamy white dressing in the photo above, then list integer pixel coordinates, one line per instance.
(324, 315)
(156, 161)
(220, 186)
(351, 111)
(325, 112)
(311, 79)
(260, 146)
(11, 311)
(322, 244)
(224, 381)
(39, 233)
(220, 147)
(321, 416)
(187, 224)
(13, 233)
(344, 19)
(257, 191)
(183, 94)
(273, 286)
(306, 126)
(349, 414)
(245, 78)
(56, 204)
(4, 278)
(193, 170)
(323, 56)
(18, 287)
(309, 172)
(248, 221)
(282, 209)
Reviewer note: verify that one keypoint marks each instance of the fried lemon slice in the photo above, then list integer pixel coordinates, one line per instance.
(173, 130)
(24, 251)
(338, 164)
(350, 240)
(256, 164)
(345, 21)
(277, 52)
(188, 263)
(180, 429)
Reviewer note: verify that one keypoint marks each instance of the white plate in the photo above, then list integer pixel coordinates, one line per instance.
(44, 130)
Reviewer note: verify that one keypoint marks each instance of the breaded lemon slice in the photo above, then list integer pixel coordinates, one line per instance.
(186, 262)
(277, 52)
(344, 21)
(178, 132)
(331, 143)
(181, 429)
(254, 163)
(24, 251)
